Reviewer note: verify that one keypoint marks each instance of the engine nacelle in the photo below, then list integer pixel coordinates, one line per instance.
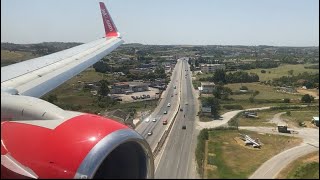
(84, 146)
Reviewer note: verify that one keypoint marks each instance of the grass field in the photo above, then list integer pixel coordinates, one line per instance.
(301, 116)
(266, 92)
(304, 114)
(267, 96)
(305, 167)
(234, 160)
(10, 57)
(282, 70)
(262, 120)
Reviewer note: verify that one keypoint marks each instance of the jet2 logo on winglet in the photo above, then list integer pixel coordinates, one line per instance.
(105, 14)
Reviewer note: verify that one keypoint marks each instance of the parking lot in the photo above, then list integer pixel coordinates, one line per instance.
(153, 93)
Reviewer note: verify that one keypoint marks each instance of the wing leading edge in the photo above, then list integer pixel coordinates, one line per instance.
(39, 76)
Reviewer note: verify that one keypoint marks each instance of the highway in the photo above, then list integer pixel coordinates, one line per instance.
(171, 95)
(176, 159)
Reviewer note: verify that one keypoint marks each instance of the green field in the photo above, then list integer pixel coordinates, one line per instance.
(234, 160)
(266, 92)
(268, 96)
(10, 57)
(282, 70)
(301, 116)
(262, 120)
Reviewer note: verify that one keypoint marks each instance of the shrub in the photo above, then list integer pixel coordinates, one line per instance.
(202, 137)
(243, 88)
(232, 106)
(286, 100)
(288, 113)
(307, 98)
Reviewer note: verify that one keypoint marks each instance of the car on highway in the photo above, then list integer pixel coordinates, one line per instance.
(165, 112)
(154, 120)
(147, 120)
(165, 121)
(150, 133)
(169, 105)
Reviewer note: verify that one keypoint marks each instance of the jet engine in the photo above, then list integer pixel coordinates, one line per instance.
(41, 140)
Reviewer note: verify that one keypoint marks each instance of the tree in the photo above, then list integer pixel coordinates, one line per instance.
(104, 89)
(221, 92)
(217, 91)
(255, 93)
(219, 76)
(160, 72)
(215, 106)
(286, 100)
(290, 72)
(307, 98)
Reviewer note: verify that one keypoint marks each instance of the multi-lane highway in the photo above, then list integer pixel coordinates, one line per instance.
(171, 95)
(177, 155)
(176, 159)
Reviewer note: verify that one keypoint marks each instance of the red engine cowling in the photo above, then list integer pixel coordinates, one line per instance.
(85, 146)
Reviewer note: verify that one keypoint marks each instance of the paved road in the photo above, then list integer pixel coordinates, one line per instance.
(171, 95)
(176, 160)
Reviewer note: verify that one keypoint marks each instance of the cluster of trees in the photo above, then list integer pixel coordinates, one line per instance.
(307, 98)
(104, 67)
(159, 72)
(220, 76)
(302, 79)
(214, 103)
(257, 64)
(240, 76)
(220, 93)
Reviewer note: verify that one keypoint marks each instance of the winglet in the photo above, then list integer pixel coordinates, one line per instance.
(109, 27)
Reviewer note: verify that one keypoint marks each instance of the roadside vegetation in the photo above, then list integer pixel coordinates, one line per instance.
(305, 167)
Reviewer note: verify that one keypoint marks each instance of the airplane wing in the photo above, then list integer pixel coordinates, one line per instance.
(41, 140)
(38, 76)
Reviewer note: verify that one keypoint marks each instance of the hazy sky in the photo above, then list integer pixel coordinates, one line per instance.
(193, 22)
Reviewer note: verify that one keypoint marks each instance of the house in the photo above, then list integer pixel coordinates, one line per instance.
(206, 109)
(208, 68)
(206, 87)
(119, 88)
(128, 87)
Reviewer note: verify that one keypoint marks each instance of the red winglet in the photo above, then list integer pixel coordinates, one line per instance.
(109, 27)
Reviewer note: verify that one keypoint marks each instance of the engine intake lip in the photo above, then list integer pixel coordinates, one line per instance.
(91, 163)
